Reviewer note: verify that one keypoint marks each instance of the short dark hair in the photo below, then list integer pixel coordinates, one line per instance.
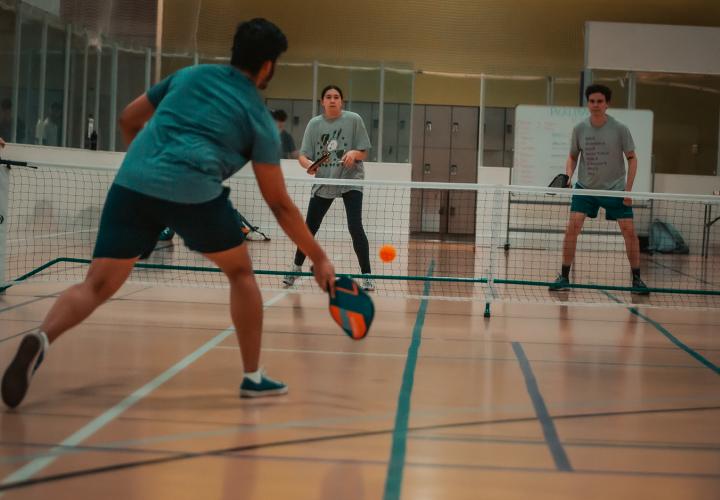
(6, 104)
(255, 42)
(279, 115)
(331, 87)
(595, 88)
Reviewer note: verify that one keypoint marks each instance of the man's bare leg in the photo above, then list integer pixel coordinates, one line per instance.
(104, 278)
(246, 308)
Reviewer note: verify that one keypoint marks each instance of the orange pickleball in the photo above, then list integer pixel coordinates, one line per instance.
(387, 253)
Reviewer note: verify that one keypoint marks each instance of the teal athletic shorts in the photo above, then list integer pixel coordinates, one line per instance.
(131, 223)
(589, 205)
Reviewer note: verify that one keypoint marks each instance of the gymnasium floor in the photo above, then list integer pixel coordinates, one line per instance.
(538, 401)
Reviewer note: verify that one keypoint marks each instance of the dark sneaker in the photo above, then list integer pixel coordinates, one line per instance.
(639, 287)
(560, 284)
(266, 387)
(16, 381)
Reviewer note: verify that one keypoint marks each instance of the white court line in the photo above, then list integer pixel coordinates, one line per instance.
(52, 235)
(38, 464)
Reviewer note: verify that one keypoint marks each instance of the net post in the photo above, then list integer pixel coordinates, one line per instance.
(495, 205)
(4, 204)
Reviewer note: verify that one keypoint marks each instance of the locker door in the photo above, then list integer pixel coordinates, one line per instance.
(416, 210)
(437, 126)
(436, 165)
(417, 172)
(404, 131)
(373, 128)
(418, 128)
(390, 133)
(434, 211)
(461, 204)
(461, 212)
(365, 110)
(463, 165)
(464, 127)
(298, 119)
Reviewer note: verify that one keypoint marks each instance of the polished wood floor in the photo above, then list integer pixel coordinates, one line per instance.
(536, 402)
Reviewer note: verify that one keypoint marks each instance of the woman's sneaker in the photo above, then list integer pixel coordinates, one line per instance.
(289, 280)
(368, 284)
(266, 387)
(29, 356)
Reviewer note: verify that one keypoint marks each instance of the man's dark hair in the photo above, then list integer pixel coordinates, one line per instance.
(280, 115)
(6, 104)
(595, 88)
(255, 42)
(331, 87)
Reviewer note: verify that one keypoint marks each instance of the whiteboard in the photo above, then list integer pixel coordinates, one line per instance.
(542, 142)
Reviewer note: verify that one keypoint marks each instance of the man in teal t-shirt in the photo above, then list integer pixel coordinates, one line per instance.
(186, 135)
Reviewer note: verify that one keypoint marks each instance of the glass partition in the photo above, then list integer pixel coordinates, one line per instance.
(78, 78)
(566, 92)
(7, 56)
(52, 116)
(686, 114)
(28, 104)
(102, 122)
(397, 115)
(501, 97)
(131, 84)
(291, 90)
(685, 107)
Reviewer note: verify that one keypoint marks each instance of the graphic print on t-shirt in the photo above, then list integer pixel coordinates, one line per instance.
(335, 144)
(596, 154)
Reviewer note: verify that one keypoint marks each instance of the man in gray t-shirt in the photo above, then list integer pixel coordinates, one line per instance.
(598, 148)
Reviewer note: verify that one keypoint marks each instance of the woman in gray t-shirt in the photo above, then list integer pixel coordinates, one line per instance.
(342, 135)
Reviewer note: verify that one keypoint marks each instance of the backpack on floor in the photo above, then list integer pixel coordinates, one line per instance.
(665, 238)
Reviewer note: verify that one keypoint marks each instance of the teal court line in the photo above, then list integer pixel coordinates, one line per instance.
(393, 480)
(672, 338)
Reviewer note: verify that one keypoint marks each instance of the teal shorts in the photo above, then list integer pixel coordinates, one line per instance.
(589, 205)
(131, 223)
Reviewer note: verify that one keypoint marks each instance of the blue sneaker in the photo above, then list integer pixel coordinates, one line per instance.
(16, 381)
(266, 387)
(166, 234)
(560, 284)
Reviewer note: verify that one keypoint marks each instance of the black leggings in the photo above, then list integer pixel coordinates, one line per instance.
(317, 209)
